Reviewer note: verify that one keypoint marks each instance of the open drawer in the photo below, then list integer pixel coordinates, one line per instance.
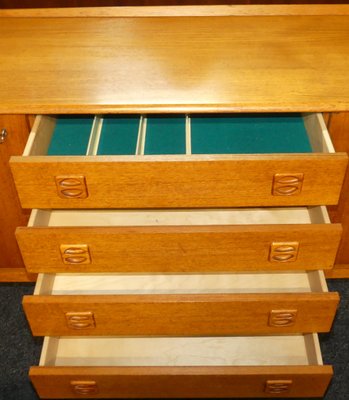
(224, 304)
(287, 366)
(179, 161)
(147, 241)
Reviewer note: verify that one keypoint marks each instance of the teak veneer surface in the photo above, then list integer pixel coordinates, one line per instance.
(178, 181)
(181, 315)
(166, 64)
(179, 249)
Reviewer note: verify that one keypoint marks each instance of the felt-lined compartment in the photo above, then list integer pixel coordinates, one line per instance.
(71, 136)
(119, 135)
(249, 134)
(165, 135)
(177, 134)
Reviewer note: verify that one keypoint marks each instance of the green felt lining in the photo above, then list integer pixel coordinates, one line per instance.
(165, 135)
(71, 136)
(210, 134)
(119, 135)
(248, 134)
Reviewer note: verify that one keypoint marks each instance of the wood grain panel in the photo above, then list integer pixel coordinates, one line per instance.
(179, 181)
(11, 213)
(174, 64)
(181, 315)
(98, 3)
(186, 8)
(339, 271)
(16, 275)
(177, 382)
(180, 248)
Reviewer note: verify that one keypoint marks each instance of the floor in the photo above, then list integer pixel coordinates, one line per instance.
(19, 350)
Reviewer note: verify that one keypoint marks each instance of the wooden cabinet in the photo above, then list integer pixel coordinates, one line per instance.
(11, 213)
(134, 244)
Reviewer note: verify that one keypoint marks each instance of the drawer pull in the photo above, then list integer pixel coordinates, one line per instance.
(71, 187)
(80, 325)
(284, 248)
(75, 250)
(286, 190)
(72, 193)
(278, 386)
(69, 182)
(283, 258)
(282, 318)
(287, 185)
(75, 260)
(84, 387)
(283, 251)
(80, 320)
(75, 254)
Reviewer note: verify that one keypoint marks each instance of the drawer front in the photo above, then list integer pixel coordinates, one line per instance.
(182, 162)
(181, 382)
(179, 248)
(181, 314)
(177, 182)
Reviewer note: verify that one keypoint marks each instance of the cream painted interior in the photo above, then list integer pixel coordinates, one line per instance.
(187, 351)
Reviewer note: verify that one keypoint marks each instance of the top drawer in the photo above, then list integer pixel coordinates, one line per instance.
(179, 161)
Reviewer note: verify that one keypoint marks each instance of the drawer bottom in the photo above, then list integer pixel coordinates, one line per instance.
(269, 366)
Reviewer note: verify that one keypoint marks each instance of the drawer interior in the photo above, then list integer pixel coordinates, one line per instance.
(127, 284)
(185, 217)
(179, 134)
(187, 351)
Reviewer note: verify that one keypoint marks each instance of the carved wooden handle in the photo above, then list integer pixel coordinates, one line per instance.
(84, 387)
(71, 193)
(283, 251)
(71, 187)
(80, 320)
(75, 250)
(287, 184)
(80, 325)
(282, 318)
(75, 260)
(278, 386)
(75, 254)
(70, 182)
(283, 258)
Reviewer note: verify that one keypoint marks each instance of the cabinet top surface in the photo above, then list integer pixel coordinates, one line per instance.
(222, 59)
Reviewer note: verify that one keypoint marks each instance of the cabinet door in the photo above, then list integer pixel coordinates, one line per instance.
(11, 214)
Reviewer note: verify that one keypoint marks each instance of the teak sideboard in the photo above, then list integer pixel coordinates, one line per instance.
(178, 169)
